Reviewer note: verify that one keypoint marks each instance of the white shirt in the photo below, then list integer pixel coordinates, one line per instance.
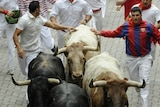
(95, 4)
(31, 28)
(70, 14)
(8, 5)
(151, 15)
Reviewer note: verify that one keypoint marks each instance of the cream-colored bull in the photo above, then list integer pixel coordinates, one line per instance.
(80, 46)
(104, 82)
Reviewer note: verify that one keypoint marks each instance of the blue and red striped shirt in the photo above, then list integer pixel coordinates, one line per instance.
(138, 37)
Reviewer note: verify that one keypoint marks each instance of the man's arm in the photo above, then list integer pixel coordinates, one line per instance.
(5, 11)
(120, 2)
(57, 26)
(86, 20)
(16, 42)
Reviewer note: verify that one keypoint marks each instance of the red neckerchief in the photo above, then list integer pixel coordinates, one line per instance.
(144, 7)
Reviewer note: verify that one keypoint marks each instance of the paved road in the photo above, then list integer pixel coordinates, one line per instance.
(14, 96)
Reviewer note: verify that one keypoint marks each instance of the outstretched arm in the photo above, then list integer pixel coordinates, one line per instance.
(16, 42)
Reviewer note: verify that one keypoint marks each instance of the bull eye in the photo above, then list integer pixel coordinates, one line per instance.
(68, 61)
(109, 99)
(84, 60)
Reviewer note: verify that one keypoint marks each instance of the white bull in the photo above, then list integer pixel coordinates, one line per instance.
(104, 82)
(80, 46)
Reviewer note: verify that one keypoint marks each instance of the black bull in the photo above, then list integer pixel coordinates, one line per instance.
(41, 72)
(68, 95)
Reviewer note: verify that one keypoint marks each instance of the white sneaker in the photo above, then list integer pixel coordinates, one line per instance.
(10, 72)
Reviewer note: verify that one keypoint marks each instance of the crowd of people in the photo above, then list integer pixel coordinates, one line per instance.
(140, 30)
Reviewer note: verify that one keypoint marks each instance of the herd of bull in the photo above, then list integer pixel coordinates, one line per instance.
(89, 79)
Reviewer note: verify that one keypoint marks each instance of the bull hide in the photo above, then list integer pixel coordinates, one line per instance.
(104, 82)
(41, 78)
(67, 95)
(80, 46)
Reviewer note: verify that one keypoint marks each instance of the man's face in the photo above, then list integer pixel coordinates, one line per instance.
(38, 11)
(146, 2)
(136, 17)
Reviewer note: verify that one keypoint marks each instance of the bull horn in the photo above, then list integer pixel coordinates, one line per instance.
(89, 48)
(21, 83)
(54, 81)
(62, 50)
(99, 83)
(136, 84)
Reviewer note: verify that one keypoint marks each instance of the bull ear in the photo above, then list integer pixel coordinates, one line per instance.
(55, 50)
(91, 84)
(62, 50)
(20, 83)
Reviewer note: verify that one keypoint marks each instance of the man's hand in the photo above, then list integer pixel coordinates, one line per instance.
(10, 13)
(83, 22)
(96, 32)
(71, 29)
(20, 52)
(118, 7)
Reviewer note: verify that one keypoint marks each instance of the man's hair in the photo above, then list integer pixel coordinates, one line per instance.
(33, 6)
(136, 9)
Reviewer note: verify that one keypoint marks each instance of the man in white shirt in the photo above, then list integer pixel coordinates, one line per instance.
(98, 8)
(70, 13)
(7, 30)
(47, 41)
(29, 28)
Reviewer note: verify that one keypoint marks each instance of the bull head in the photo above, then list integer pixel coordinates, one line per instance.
(114, 91)
(76, 58)
(27, 82)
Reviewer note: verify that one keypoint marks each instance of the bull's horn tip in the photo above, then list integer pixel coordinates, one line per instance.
(144, 83)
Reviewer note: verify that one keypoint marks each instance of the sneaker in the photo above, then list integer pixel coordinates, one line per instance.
(10, 72)
(137, 90)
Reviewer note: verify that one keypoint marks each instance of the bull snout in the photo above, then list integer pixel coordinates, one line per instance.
(77, 76)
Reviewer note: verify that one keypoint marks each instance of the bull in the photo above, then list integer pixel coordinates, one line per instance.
(67, 95)
(41, 78)
(80, 46)
(104, 82)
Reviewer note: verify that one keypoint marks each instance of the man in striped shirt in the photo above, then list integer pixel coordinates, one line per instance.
(45, 36)
(138, 35)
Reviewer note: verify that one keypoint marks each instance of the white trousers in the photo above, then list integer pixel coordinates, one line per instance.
(46, 39)
(139, 68)
(96, 21)
(8, 31)
(24, 62)
(153, 50)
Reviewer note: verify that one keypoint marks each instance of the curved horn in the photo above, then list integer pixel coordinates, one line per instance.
(62, 50)
(89, 48)
(99, 83)
(21, 83)
(54, 81)
(136, 84)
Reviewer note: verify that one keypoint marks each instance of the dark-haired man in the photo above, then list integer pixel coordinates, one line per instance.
(29, 28)
(138, 34)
